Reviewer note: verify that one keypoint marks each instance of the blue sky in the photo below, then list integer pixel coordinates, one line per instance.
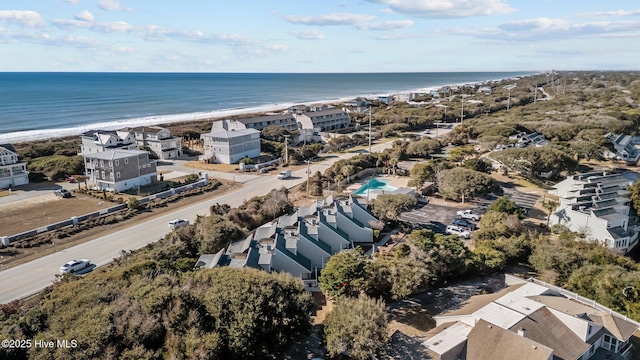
(318, 35)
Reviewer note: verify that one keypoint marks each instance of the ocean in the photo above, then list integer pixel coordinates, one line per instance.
(37, 106)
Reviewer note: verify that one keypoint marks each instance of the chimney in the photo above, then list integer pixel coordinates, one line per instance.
(522, 331)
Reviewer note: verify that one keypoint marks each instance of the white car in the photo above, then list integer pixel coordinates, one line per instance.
(178, 223)
(74, 265)
(455, 230)
(468, 214)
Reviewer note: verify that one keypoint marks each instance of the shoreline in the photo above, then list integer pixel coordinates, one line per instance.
(173, 120)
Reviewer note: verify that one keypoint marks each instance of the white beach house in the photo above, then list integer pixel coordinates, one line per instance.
(13, 172)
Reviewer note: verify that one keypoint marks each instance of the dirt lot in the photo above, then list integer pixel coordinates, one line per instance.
(33, 213)
(31, 210)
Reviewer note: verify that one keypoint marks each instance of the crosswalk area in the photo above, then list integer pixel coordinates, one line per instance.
(524, 200)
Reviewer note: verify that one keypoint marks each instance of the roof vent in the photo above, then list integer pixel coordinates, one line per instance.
(522, 331)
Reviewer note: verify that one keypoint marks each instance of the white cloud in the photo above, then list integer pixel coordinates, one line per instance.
(544, 29)
(26, 18)
(311, 34)
(73, 2)
(103, 27)
(84, 16)
(610, 13)
(329, 19)
(447, 8)
(110, 5)
(385, 25)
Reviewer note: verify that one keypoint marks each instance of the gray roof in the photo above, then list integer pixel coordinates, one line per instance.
(324, 112)
(8, 147)
(487, 341)
(545, 328)
(228, 134)
(115, 154)
(265, 118)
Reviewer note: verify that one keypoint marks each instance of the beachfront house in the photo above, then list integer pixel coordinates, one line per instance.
(627, 147)
(13, 172)
(158, 141)
(596, 205)
(287, 121)
(485, 90)
(530, 320)
(301, 243)
(523, 140)
(119, 170)
(95, 141)
(227, 145)
(320, 118)
(358, 102)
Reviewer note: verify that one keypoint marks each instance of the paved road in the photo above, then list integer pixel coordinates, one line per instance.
(27, 279)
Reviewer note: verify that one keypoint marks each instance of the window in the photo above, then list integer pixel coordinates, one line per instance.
(126, 161)
(111, 175)
(110, 164)
(117, 162)
(102, 175)
(118, 175)
(101, 163)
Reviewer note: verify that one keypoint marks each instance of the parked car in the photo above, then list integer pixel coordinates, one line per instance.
(464, 223)
(468, 214)
(178, 223)
(74, 265)
(63, 193)
(455, 230)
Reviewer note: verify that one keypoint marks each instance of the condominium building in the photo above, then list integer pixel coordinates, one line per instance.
(287, 121)
(301, 243)
(596, 204)
(321, 120)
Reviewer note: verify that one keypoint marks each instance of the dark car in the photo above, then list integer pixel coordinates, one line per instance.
(63, 193)
(464, 223)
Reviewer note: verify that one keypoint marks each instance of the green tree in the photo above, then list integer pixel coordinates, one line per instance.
(345, 274)
(443, 256)
(390, 206)
(486, 259)
(275, 133)
(550, 206)
(479, 165)
(504, 205)
(461, 183)
(423, 148)
(357, 327)
(215, 233)
(462, 152)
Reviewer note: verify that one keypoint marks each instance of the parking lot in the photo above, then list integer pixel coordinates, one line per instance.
(435, 217)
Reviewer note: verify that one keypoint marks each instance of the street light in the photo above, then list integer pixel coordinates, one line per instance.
(509, 87)
(443, 119)
(308, 175)
(369, 129)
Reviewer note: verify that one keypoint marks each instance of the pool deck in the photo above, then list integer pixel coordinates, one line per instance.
(392, 180)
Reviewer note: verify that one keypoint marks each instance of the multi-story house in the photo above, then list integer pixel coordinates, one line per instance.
(287, 121)
(13, 172)
(626, 147)
(158, 141)
(228, 146)
(524, 140)
(596, 204)
(120, 170)
(95, 141)
(321, 119)
(301, 243)
(530, 320)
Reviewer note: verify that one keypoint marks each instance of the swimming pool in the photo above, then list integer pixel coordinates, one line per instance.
(377, 187)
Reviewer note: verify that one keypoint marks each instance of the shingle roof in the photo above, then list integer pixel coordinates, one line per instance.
(490, 342)
(545, 328)
(115, 154)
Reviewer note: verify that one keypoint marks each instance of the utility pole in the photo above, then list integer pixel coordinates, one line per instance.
(369, 129)
(308, 175)
(286, 149)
